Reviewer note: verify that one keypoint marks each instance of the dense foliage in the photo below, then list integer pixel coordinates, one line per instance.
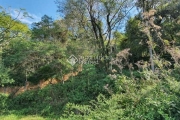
(33, 61)
(133, 75)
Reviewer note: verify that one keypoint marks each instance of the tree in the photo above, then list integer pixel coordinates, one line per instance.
(60, 31)
(148, 25)
(155, 18)
(104, 17)
(34, 61)
(135, 40)
(42, 30)
(12, 27)
(169, 23)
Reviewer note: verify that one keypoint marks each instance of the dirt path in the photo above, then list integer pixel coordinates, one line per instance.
(43, 83)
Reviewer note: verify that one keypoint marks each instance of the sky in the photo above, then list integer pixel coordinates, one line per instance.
(35, 8)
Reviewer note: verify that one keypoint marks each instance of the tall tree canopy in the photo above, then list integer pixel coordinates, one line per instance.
(100, 16)
(11, 27)
(42, 30)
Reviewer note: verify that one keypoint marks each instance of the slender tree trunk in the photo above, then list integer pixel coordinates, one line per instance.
(151, 50)
(151, 58)
(26, 81)
(99, 38)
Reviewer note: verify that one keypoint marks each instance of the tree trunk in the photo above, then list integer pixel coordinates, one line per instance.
(151, 58)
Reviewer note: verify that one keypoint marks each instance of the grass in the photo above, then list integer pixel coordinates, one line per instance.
(17, 117)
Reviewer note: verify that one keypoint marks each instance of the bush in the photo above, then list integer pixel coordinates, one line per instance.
(3, 102)
(50, 101)
(145, 99)
(98, 96)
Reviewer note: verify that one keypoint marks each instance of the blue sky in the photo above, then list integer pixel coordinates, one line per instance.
(35, 8)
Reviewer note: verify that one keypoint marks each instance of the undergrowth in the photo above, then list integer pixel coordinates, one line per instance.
(96, 96)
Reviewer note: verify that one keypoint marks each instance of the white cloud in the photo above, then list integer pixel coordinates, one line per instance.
(19, 14)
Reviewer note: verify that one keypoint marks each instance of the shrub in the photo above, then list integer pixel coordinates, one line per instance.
(3, 102)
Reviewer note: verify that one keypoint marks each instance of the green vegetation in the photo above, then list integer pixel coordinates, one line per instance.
(95, 96)
(130, 76)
